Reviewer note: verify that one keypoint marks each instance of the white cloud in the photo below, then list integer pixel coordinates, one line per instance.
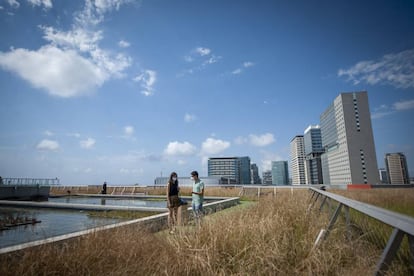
(262, 140)
(46, 3)
(237, 71)
(393, 69)
(214, 146)
(404, 105)
(245, 65)
(62, 73)
(203, 51)
(124, 44)
(385, 110)
(48, 145)
(177, 148)
(201, 57)
(189, 118)
(147, 80)
(267, 159)
(13, 3)
(129, 130)
(256, 140)
(72, 64)
(88, 143)
(48, 133)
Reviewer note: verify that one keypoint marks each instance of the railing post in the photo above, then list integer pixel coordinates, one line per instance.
(333, 220)
(390, 251)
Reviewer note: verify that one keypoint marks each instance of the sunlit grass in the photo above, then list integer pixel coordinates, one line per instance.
(272, 236)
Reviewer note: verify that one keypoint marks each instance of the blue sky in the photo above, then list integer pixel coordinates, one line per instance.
(124, 91)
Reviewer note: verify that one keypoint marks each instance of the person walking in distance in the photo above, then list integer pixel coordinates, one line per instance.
(173, 201)
(197, 197)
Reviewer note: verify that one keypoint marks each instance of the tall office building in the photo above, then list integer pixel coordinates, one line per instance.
(254, 172)
(397, 169)
(280, 173)
(313, 151)
(267, 178)
(348, 141)
(235, 169)
(297, 155)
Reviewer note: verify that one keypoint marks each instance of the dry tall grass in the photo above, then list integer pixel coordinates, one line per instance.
(274, 236)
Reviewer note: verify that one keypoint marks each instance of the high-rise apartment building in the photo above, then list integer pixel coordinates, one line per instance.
(235, 169)
(313, 151)
(397, 170)
(348, 141)
(297, 155)
(254, 172)
(280, 173)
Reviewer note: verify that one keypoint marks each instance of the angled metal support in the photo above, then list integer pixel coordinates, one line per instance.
(390, 251)
(333, 220)
(323, 203)
(347, 222)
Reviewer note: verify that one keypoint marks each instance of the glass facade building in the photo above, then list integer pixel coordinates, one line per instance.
(313, 152)
(280, 173)
(235, 169)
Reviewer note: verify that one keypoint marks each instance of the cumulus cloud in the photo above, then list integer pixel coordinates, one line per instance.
(72, 63)
(202, 51)
(189, 118)
(147, 80)
(62, 73)
(214, 146)
(88, 143)
(256, 140)
(393, 69)
(261, 140)
(177, 148)
(48, 145)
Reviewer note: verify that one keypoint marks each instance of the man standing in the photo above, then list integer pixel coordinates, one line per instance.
(197, 197)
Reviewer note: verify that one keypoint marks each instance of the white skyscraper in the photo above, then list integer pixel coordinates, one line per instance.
(348, 141)
(297, 155)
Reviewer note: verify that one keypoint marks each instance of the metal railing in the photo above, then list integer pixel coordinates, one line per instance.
(401, 225)
(29, 181)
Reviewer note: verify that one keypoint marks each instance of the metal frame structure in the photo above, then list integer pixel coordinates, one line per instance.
(401, 224)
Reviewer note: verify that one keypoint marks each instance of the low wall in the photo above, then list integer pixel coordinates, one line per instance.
(153, 223)
(24, 192)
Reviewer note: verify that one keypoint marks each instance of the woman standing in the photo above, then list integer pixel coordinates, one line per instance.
(173, 201)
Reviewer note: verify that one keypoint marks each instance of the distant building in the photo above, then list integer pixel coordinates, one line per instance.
(383, 175)
(235, 169)
(267, 177)
(348, 141)
(280, 173)
(297, 155)
(254, 172)
(313, 151)
(186, 181)
(397, 169)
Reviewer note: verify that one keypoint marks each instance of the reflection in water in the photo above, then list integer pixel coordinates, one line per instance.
(53, 223)
(103, 201)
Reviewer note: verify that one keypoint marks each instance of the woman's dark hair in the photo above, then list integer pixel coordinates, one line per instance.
(171, 176)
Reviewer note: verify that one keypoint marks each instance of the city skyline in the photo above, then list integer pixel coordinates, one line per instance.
(125, 91)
